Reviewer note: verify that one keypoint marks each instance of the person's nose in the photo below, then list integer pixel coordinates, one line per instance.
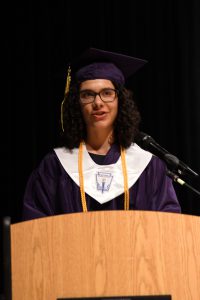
(97, 101)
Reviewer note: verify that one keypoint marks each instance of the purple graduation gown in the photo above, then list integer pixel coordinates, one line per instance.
(51, 191)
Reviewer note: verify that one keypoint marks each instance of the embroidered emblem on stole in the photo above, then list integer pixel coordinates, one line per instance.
(103, 180)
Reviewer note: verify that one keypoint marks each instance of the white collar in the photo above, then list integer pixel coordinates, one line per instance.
(136, 161)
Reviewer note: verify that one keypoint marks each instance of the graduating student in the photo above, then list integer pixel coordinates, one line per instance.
(99, 166)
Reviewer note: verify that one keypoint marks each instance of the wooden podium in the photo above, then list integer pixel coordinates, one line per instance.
(107, 253)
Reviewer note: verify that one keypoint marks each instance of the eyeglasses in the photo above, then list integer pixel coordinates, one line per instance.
(106, 95)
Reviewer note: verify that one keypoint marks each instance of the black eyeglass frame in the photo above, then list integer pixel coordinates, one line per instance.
(94, 94)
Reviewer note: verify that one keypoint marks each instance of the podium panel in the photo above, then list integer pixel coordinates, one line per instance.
(107, 253)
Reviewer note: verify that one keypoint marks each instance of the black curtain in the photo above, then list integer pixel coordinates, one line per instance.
(39, 39)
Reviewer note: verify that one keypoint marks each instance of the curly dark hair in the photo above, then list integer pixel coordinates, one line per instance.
(126, 125)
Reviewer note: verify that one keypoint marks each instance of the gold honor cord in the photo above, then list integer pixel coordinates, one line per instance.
(81, 178)
(124, 170)
(65, 93)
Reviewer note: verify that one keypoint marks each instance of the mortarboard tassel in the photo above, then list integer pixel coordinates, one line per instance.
(67, 86)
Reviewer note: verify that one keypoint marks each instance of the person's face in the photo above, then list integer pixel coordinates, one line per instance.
(99, 114)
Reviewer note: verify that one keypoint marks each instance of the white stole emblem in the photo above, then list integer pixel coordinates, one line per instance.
(104, 180)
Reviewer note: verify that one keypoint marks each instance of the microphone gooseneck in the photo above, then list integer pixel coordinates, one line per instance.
(175, 167)
(148, 143)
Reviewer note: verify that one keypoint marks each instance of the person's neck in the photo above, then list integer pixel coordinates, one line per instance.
(99, 142)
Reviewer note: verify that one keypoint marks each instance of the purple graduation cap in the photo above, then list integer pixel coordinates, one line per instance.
(99, 64)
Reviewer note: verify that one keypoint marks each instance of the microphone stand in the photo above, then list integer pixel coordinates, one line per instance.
(173, 163)
(177, 179)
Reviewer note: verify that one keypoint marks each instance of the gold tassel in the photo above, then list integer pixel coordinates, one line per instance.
(67, 86)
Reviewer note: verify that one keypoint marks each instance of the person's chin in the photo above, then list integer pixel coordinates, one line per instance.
(101, 123)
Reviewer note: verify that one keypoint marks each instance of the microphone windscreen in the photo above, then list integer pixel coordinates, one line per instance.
(143, 139)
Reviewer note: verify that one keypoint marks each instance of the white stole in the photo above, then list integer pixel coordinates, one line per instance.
(104, 182)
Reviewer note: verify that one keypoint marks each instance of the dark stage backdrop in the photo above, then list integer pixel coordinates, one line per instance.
(38, 39)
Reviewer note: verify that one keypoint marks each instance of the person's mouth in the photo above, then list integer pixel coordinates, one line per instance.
(99, 115)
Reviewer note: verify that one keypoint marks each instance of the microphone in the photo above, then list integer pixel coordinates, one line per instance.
(146, 142)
